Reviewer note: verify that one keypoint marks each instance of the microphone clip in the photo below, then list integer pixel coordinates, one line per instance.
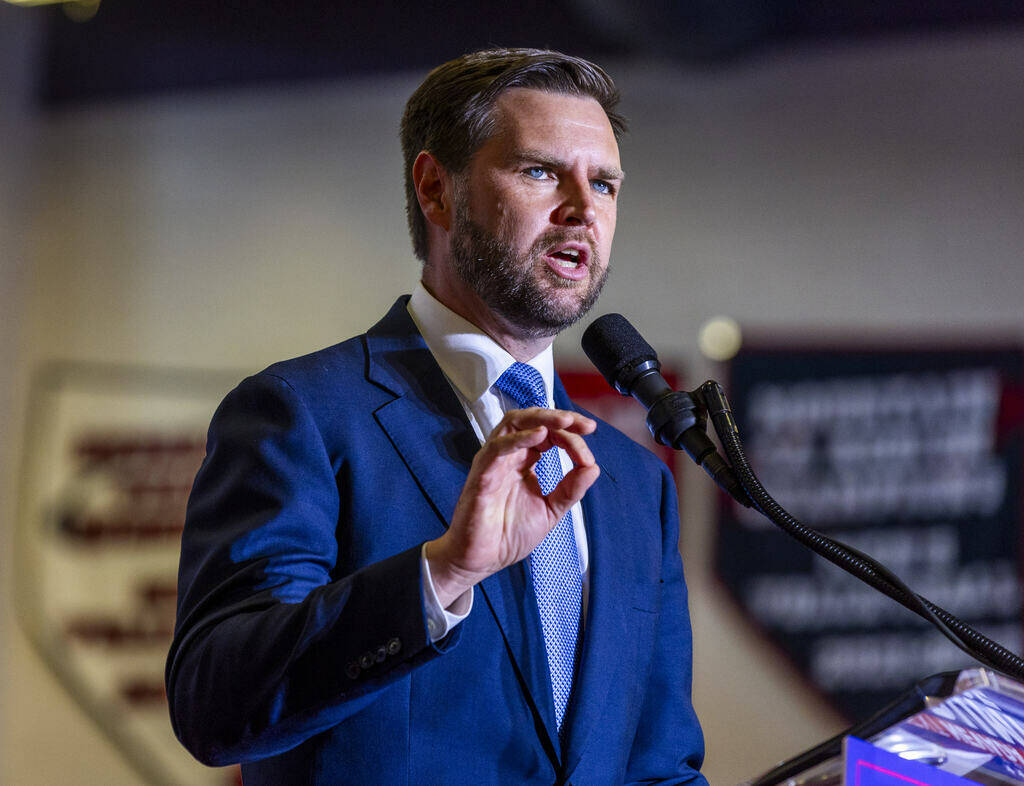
(680, 420)
(672, 416)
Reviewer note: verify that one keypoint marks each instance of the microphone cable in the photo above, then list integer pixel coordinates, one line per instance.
(864, 567)
(679, 420)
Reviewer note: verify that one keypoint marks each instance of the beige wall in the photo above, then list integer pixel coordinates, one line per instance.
(867, 189)
(43, 738)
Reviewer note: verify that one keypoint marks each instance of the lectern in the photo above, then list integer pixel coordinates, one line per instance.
(958, 727)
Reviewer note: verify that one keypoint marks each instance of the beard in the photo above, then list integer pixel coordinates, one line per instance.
(520, 287)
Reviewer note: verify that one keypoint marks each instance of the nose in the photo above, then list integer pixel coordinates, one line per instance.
(577, 205)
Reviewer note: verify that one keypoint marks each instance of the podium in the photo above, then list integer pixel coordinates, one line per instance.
(953, 728)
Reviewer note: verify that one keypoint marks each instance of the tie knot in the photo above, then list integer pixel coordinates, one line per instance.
(524, 385)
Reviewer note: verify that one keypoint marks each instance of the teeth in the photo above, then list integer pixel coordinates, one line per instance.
(568, 258)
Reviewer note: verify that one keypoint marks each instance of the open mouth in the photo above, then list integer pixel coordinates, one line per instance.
(569, 260)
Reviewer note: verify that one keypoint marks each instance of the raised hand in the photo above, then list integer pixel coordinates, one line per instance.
(502, 514)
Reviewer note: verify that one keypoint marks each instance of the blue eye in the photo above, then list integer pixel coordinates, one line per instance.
(602, 187)
(536, 172)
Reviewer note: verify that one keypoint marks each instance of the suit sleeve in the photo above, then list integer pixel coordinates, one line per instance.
(669, 745)
(270, 648)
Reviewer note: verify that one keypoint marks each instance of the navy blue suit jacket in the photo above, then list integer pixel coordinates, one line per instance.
(301, 647)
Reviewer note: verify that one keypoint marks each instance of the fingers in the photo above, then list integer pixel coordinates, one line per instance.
(503, 512)
(541, 430)
(559, 425)
(574, 445)
(503, 444)
(505, 455)
(522, 419)
(573, 485)
(571, 489)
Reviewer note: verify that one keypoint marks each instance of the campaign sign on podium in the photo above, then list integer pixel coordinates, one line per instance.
(866, 765)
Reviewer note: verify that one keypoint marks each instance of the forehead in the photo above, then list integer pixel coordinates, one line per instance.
(564, 125)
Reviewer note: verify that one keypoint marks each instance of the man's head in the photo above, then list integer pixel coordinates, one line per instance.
(451, 114)
(512, 170)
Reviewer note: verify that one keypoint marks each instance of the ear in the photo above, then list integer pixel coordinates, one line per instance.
(433, 190)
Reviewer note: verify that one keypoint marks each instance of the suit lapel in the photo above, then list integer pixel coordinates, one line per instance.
(427, 424)
(424, 421)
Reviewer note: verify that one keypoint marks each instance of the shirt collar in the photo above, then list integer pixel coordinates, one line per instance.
(470, 358)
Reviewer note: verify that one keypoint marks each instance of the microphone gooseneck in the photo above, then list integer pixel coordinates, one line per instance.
(679, 420)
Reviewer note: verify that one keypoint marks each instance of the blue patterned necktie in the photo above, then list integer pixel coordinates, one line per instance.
(555, 562)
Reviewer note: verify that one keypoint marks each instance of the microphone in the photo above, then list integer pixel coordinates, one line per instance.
(631, 366)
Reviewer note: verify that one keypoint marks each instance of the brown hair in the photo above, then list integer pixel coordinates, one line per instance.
(450, 114)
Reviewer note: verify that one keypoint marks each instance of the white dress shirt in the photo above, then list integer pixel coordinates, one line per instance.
(472, 362)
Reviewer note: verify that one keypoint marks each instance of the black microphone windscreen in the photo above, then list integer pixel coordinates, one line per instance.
(612, 344)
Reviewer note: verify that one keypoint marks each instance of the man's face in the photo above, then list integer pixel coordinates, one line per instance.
(534, 214)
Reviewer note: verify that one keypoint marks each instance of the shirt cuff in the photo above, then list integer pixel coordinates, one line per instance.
(439, 619)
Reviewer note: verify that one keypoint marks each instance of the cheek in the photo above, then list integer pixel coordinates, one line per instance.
(607, 230)
(499, 219)
(500, 213)
(503, 212)
(513, 224)
(488, 202)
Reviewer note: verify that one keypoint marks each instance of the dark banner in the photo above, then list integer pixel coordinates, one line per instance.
(911, 456)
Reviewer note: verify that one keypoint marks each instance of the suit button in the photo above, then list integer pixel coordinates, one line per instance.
(380, 654)
(366, 660)
(394, 646)
(352, 670)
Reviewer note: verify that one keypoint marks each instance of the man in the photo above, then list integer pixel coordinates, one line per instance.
(407, 558)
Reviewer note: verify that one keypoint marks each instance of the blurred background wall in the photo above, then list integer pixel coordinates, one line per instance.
(869, 187)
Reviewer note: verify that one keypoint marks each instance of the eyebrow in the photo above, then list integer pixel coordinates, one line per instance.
(538, 157)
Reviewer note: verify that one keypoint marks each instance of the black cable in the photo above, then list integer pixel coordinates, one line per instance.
(860, 565)
(679, 419)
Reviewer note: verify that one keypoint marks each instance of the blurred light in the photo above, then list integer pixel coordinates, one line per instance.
(719, 338)
(81, 10)
(76, 10)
